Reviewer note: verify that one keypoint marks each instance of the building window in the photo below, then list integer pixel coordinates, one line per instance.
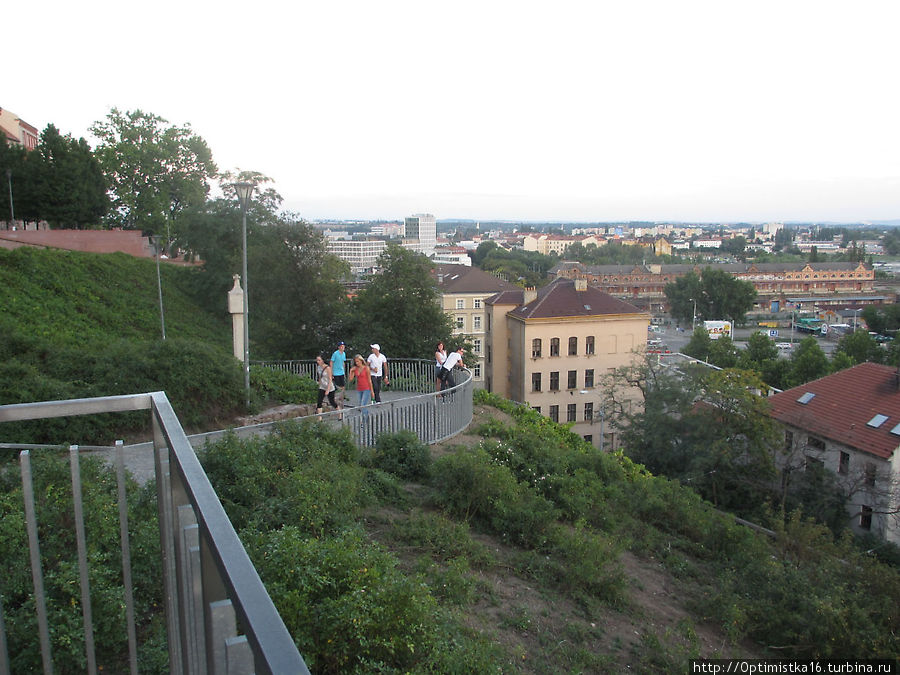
(476, 345)
(460, 303)
(535, 382)
(589, 438)
(537, 409)
(489, 354)
(571, 412)
(816, 443)
(788, 441)
(813, 464)
(536, 348)
(554, 380)
(588, 412)
(844, 463)
(554, 413)
(476, 322)
(554, 346)
(589, 345)
(869, 474)
(573, 346)
(477, 371)
(476, 303)
(460, 323)
(573, 377)
(588, 378)
(865, 518)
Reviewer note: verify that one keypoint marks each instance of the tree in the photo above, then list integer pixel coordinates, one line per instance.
(808, 362)
(297, 303)
(154, 171)
(72, 189)
(716, 295)
(761, 355)
(264, 197)
(400, 308)
(860, 347)
(706, 428)
(683, 295)
(699, 345)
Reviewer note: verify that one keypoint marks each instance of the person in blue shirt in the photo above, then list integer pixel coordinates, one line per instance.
(338, 359)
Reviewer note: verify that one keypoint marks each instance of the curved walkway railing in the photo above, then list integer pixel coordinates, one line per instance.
(432, 416)
(220, 619)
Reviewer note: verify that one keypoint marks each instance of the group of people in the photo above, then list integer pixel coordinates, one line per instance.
(370, 373)
(333, 376)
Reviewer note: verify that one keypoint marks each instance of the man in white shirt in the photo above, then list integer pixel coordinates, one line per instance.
(452, 360)
(378, 369)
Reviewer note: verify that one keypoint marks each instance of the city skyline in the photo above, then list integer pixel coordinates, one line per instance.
(699, 111)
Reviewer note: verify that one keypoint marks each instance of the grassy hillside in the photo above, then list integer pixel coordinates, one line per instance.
(82, 325)
(77, 298)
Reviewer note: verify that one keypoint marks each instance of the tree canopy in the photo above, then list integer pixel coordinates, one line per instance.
(399, 308)
(716, 295)
(60, 182)
(155, 170)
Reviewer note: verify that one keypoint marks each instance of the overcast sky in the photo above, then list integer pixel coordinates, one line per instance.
(583, 111)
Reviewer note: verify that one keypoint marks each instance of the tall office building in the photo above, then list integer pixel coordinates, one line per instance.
(422, 226)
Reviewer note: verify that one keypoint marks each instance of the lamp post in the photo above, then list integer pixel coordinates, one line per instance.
(155, 241)
(12, 211)
(244, 191)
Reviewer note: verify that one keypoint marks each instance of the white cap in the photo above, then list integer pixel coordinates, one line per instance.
(375, 346)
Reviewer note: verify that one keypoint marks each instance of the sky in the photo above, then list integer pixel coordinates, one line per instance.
(593, 111)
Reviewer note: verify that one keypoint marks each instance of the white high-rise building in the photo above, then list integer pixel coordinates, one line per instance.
(422, 226)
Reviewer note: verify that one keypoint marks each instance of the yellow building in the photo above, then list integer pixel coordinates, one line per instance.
(463, 291)
(550, 348)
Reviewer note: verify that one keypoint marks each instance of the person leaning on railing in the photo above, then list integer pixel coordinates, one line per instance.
(452, 360)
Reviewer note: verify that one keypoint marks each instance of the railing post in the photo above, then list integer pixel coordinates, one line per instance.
(81, 543)
(126, 557)
(34, 550)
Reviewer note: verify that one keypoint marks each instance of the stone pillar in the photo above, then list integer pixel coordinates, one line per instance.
(236, 309)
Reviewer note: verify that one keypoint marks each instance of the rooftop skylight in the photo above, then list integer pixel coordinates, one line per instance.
(876, 421)
(806, 398)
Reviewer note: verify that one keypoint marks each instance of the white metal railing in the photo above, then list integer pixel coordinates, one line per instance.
(210, 584)
(432, 416)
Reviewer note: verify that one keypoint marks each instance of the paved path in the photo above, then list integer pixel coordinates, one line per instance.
(139, 457)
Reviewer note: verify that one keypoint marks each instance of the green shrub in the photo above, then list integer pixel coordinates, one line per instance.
(471, 486)
(280, 386)
(440, 537)
(53, 501)
(348, 606)
(301, 474)
(402, 454)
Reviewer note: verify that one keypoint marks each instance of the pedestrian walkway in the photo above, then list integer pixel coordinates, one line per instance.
(139, 457)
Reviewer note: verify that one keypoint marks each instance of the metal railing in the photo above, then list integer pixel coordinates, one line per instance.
(432, 416)
(210, 584)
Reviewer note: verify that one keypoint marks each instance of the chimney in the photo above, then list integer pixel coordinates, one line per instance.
(581, 284)
(530, 294)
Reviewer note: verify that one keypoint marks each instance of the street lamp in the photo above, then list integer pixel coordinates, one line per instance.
(243, 191)
(156, 242)
(12, 211)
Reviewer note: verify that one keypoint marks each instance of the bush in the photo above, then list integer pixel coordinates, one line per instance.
(53, 501)
(280, 386)
(302, 474)
(348, 606)
(402, 454)
(470, 485)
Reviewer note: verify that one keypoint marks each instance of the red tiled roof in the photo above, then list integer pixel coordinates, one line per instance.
(843, 404)
(559, 298)
(467, 279)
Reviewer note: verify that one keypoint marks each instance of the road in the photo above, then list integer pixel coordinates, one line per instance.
(675, 340)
